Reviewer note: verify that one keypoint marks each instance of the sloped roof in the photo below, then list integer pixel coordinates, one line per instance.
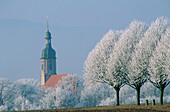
(47, 35)
(48, 52)
(53, 80)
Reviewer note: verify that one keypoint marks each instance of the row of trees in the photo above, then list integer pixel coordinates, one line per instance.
(132, 57)
(22, 94)
(25, 94)
(123, 60)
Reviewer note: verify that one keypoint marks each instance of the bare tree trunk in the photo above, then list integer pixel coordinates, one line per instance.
(161, 95)
(138, 95)
(117, 95)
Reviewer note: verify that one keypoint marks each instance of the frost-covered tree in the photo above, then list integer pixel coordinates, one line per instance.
(5, 93)
(159, 66)
(21, 103)
(119, 59)
(23, 94)
(67, 93)
(138, 66)
(97, 60)
(127, 95)
(153, 93)
(93, 94)
(28, 89)
(3, 108)
(95, 67)
(48, 100)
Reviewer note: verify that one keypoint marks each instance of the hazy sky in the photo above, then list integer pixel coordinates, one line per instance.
(76, 27)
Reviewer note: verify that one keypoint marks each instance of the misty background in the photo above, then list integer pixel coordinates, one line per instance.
(76, 27)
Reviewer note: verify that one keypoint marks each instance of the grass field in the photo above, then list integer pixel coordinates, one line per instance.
(113, 108)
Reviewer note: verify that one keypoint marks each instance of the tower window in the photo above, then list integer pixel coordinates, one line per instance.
(42, 66)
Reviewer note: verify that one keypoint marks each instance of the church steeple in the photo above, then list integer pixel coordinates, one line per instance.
(48, 59)
(47, 34)
(48, 52)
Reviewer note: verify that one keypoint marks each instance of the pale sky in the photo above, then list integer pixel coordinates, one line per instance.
(76, 27)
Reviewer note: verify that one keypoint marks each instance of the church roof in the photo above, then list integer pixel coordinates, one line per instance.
(47, 35)
(53, 80)
(48, 53)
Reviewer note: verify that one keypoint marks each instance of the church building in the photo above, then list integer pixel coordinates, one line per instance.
(49, 77)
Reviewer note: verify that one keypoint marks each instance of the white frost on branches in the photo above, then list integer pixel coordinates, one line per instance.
(159, 67)
(67, 93)
(127, 57)
(96, 64)
(138, 66)
(122, 54)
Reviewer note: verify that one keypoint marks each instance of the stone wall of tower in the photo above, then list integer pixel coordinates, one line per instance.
(48, 68)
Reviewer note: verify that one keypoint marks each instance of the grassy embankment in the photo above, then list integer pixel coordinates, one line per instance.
(113, 108)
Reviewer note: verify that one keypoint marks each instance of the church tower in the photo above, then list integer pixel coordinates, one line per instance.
(48, 59)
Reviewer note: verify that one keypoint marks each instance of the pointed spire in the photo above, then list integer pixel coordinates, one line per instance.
(47, 34)
(47, 23)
